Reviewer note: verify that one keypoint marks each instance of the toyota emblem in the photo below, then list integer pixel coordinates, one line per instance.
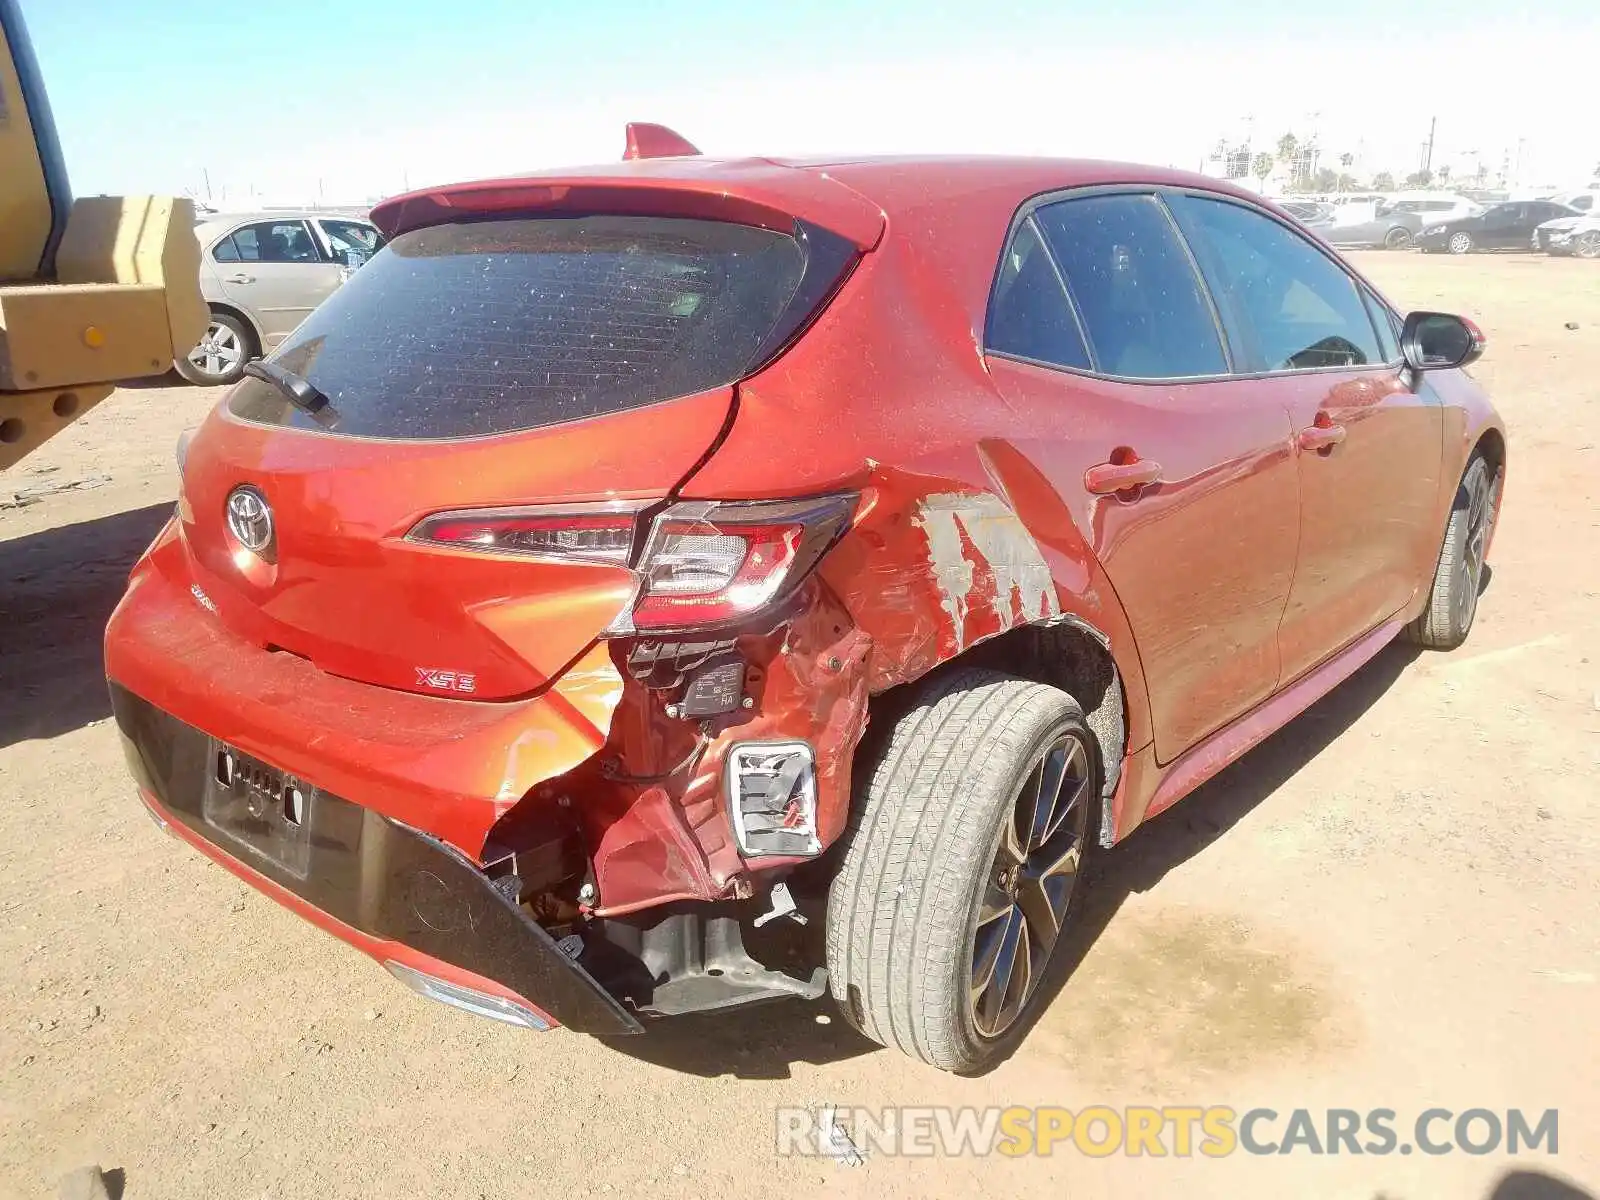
(250, 518)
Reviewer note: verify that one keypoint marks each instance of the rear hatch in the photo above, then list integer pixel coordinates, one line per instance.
(581, 362)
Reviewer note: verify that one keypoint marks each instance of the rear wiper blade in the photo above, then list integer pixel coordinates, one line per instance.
(297, 390)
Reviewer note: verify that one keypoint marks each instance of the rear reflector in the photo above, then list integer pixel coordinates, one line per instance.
(496, 1008)
(772, 795)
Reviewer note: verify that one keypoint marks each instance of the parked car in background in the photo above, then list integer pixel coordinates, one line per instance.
(1355, 225)
(1433, 207)
(542, 612)
(261, 273)
(1585, 200)
(1575, 235)
(1506, 226)
(1307, 212)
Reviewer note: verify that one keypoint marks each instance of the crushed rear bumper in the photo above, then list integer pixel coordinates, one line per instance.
(393, 892)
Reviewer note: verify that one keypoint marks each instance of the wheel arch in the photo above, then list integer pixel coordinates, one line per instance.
(1071, 654)
(1491, 444)
(244, 318)
(940, 578)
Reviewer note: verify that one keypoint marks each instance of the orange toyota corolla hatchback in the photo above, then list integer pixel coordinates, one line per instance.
(629, 562)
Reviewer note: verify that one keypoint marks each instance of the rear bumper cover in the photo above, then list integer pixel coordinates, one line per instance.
(395, 893)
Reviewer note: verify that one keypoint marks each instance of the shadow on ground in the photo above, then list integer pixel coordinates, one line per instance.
(1536, 1185)
(57, 589)
(763, 1042)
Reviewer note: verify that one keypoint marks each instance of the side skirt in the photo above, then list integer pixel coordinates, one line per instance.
(1148, 789)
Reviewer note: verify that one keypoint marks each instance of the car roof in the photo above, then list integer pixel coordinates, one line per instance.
(882, 185)
(220, 221)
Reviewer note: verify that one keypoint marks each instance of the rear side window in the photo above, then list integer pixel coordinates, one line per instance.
(271, 242)
(1289, 305)
(1030, 315)
(1135, 287)
(483, 328)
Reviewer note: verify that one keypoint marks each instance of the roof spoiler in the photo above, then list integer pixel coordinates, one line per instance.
(655, 141)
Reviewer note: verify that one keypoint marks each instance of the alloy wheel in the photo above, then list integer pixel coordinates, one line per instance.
(1587, 244)
(1460, 243)
(219, 352)
(1398, 239)
(1031, 884)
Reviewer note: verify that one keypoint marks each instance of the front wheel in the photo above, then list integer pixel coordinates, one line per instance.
(1397, 238)
(1458, 577)
(1587, 244)
(963, 868)
(220, 357)
(1460, 243)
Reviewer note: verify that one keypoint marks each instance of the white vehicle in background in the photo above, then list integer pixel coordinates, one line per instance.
(1584, 200)
(1433, 207)
(1578, 236)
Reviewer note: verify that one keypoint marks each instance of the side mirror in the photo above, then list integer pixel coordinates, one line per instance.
(1434, 341)
(354, 258)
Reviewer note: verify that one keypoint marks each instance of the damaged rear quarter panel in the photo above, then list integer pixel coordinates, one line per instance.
(960, 537)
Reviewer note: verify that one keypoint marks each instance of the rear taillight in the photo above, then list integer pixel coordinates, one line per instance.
(602, 537)
(703, 563)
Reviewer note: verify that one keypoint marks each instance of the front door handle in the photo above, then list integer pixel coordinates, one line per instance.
(241, 278)
(1134, 472)
(1322, 436)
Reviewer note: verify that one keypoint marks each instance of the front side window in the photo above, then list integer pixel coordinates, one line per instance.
(1288, 304)
(1387, 324)
(345, 236)
(1142, 304)
(1029, 314)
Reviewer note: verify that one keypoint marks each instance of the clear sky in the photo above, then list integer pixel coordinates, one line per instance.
(347, 100)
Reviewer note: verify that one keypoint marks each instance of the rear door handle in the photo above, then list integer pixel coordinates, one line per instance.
(1324, 435)
(240, 279)
(1108, 477)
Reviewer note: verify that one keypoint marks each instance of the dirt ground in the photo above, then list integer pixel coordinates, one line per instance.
(1391, 904)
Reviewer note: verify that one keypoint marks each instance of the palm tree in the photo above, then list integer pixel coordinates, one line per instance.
(1287, 145)
(1346, 161)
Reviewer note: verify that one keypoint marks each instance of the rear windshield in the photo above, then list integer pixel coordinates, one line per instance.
(484, 328)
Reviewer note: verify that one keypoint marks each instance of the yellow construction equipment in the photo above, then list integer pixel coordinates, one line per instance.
(92, 291)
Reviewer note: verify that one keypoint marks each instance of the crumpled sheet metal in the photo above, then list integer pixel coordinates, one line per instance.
(930, 568)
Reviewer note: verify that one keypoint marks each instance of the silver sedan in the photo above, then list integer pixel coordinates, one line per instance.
(261, 273)
(1387, 228)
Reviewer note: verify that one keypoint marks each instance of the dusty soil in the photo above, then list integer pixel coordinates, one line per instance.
(1390, 904)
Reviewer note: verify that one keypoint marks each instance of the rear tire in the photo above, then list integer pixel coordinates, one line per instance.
(937, 880)
(1453, 594)
(220, 357)
(1398, 238)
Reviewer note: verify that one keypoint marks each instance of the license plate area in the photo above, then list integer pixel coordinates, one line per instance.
(260, 808)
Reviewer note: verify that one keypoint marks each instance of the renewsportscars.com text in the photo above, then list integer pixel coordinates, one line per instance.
(1150, 1131)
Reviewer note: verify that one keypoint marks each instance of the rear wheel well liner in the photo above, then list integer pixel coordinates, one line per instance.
(1066, 652)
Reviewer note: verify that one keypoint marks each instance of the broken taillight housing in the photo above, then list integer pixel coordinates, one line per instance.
(704, 563)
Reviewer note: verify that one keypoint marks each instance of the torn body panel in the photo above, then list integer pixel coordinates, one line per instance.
(927, 574)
